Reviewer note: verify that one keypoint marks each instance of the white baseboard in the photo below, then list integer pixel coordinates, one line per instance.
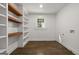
(71, 49)
(24, 43)
(42, 40)
(12, 47)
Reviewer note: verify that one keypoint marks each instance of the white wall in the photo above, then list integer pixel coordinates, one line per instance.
(47, 34)
(68, 19)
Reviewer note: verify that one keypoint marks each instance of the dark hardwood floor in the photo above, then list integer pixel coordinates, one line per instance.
(42, 48)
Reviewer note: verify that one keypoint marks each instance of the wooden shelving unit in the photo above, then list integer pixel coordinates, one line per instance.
(14, 34)
(14, 9)
(3, 26)
(13, 27)
(13, 19)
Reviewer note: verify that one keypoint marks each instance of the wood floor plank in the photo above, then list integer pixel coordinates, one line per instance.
(42, 48)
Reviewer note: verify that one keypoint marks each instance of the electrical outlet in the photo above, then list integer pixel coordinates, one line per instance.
(72, 31)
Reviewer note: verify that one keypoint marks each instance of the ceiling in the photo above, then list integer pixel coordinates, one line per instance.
(48, 8)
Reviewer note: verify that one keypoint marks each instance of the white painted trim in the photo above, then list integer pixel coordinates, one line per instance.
(24, 43)
(70, 48)
(42, 40)
(7, 28)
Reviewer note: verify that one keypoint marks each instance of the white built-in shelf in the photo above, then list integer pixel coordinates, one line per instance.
(25, 22)
(2, 15)
(3, 28)
(13, 19)
(26, 36)
(2, 37)
(25, 41)
(2, 25)
(25, 26)
(26, 31)
(2, 50)
(12, 16)
(2, 6)
(26, 18)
